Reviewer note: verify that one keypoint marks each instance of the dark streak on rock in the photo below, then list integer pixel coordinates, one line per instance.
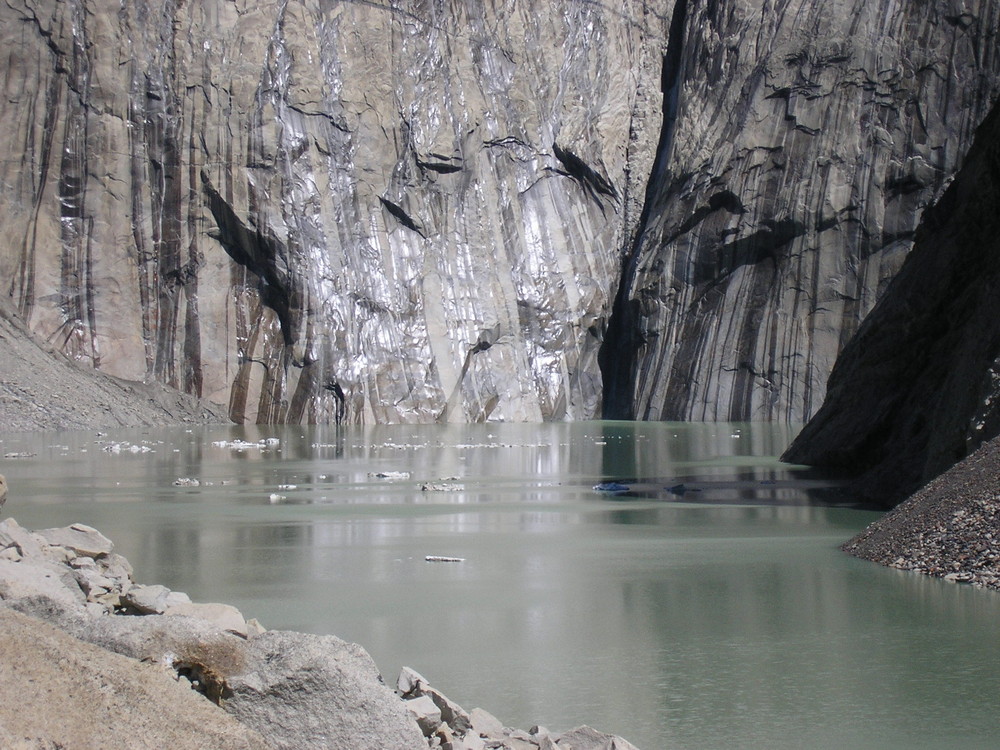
(259, 253)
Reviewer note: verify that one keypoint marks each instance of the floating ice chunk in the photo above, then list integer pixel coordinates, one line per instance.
(287, 486)
(442, 558)
(276, 498)
(186, 482)
(389, 474)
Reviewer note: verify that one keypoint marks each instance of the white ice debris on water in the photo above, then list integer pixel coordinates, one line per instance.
(389, 474)
(186, 482)
(276, 498)
(243, 445)
(118, 448)
(442, 558)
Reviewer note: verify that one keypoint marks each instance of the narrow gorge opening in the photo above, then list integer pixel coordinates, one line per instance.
(623, 338)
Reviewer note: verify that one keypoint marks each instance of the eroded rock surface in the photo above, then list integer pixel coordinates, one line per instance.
(918, 387)
(317, 211)
(802, 142)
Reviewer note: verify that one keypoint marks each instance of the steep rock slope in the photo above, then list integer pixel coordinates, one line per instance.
(317, 211)
(802, 141)
(42, 390)
(918, 387)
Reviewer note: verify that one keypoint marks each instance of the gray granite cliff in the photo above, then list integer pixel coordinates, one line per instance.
(916, 390)
(802, 141)
(413, 211)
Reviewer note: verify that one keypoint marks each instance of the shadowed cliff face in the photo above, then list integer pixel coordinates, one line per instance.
(916, 389)
(802, 142)
(329, 211)
(416, 211)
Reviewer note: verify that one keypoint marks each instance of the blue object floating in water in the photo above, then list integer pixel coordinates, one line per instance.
(611, 487)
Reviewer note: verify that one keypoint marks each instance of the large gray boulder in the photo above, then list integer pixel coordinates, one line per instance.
(57, 692)
(312, 691)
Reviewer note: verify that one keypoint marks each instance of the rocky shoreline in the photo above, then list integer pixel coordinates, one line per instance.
(949, 529)
(89, 658)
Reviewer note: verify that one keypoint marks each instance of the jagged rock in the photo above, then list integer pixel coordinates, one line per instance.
(587, 738)
(318, 691)
(484, 723)
(41, 580)
(802, 141)
(918, 387)
(12, 534)
(224, 616)
(153, 599)
(427, 714)
(80, 538)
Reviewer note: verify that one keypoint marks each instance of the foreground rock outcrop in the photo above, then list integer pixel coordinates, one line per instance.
(949, 529)
(918, 387)
(134, 658)
(57, 692)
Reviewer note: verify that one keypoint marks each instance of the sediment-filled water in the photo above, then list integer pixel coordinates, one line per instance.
(702, 604)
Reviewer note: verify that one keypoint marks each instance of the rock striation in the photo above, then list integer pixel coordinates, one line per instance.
(801, 142)
(918, 388)
(458, 211)
(330, 212)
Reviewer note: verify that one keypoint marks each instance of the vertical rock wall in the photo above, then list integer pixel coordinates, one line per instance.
(918, 388)
(802, 141)
(329, 211)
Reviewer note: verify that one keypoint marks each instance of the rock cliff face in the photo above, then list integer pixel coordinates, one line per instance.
(329, 211)
(802, 140)
(424, 210)
(918, 387)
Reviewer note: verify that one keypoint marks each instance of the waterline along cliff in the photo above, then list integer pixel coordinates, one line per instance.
(324, 211)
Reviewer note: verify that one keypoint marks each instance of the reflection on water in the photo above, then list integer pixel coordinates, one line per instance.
(706, 607)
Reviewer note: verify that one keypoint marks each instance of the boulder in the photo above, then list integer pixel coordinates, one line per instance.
(56, 692)
(312, 691)
(427, 714)
(587, 738)
(78, 537)
(224, 616)
(153, 599)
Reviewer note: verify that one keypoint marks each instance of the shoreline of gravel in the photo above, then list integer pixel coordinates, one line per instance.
(949, 529)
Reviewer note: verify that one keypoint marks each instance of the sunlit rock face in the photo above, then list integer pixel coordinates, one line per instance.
(330, 211)
(803, 140)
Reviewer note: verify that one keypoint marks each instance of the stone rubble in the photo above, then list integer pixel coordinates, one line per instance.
(294, 690)
(949, 529)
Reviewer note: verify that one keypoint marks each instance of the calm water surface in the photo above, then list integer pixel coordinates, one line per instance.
(717, 614)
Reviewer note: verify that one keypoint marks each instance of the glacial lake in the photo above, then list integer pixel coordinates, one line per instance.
(707, 607)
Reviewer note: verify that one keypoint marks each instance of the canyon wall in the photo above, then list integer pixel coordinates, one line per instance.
(459, 210)
(802, 141)
(918, 388)
(329, 211)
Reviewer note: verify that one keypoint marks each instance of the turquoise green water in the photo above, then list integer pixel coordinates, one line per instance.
(723, 616)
